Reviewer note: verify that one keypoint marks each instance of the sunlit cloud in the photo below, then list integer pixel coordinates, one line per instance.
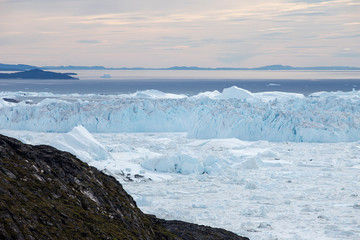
(204, 33)
(352, 23)
(89, 41)
(348, 54)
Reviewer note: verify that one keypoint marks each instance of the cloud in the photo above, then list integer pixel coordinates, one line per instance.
(177, 48)
(347, 53)
(313, 1)
(301, 47)
(307, 13)
(153, 32)
(233, 57)
(344, 36)
(352, 23)
(89, 41)
(274, 35)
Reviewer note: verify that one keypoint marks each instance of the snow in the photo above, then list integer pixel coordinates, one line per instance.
(263, 165)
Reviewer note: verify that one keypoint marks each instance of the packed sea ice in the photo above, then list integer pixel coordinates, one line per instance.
(263, 165)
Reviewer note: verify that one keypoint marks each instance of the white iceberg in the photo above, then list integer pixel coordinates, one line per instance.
(80, 143)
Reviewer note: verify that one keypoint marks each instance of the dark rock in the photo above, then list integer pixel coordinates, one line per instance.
(11, 100)
(188, 231)
(36, 74)
(50, 194)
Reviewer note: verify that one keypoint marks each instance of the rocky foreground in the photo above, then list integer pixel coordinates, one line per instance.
(50, 194)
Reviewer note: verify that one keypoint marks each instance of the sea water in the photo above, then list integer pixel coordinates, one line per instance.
(190, 82)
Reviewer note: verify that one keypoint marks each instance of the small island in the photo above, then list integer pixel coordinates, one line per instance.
(38, 74)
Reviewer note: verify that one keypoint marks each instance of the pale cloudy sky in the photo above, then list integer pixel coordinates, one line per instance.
(163, 33)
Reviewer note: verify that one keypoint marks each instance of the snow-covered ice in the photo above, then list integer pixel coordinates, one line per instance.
(78, 142)
(259, 189)
(81, 143)
(264, 165)
(234, 113)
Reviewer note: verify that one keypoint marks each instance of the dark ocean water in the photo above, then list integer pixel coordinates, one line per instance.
(191, 83)
(188, 86)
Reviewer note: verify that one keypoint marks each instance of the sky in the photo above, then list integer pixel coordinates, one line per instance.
(165, 33)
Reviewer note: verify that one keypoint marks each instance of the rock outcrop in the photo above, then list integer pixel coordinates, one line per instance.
(50, 194)
(37, 74)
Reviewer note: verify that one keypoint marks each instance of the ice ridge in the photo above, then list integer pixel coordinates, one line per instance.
(234, 113)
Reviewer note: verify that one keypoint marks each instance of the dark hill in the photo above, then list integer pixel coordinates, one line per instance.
(36, 74)
(15, 67)
(50, 194)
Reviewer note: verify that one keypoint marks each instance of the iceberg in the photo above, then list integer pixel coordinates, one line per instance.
(156, 94)
(235, 92)
(183, 164)
(80, 143)
(234, 113)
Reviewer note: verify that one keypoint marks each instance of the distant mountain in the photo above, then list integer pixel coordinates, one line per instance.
(339, 68)
(36, 74)
(23, 67)
(185, 68)
(50, 194)
(75, 67)
(282, 67)
(17, 67)
(94, 68)
(274, 67)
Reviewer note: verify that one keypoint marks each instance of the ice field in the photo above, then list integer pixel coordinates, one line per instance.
(265, 165)
(235, 112)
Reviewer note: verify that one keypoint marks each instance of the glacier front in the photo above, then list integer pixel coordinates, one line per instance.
(234, 113)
